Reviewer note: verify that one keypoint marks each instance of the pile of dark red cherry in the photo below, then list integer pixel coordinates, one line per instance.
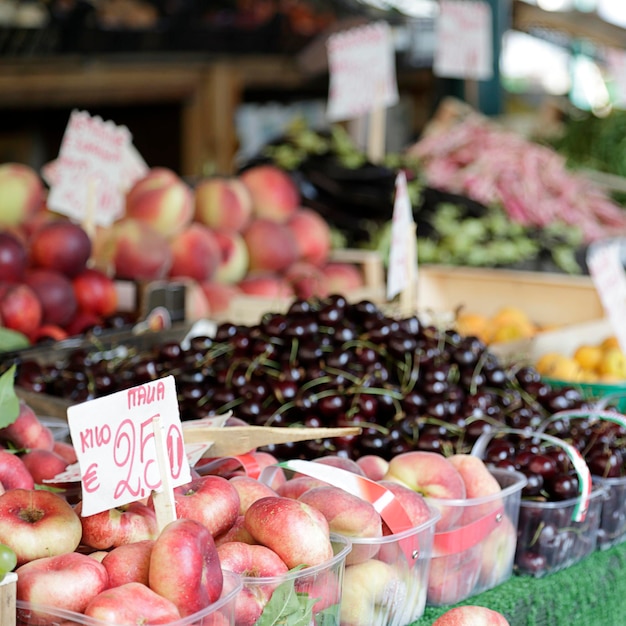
(328, 362)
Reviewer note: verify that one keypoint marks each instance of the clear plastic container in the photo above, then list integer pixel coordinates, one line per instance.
(220, 613)
(612, 527)
(312, 593)
(388, 588)
(476, 551)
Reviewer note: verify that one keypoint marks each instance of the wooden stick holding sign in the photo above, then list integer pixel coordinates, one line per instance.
(8, 598)
(376, 135)
(164, 504)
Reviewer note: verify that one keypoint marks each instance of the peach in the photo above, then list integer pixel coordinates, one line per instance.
(342, 277)
(312, 234)
(13, 472)
(13, 257)
(56, 295)
(498, 552)
(27, 431)
(280, 524)
(21, 193)
(295, 487)
(95, 292)
(267, 284)
(163, 200)
(347, 515)
(195, 253)
(65, 450)
(136, 251)
(306, 280)
(432, 475)
(43, 464)
(471, 615)
(20, 308)
(274, 193)
(129, 563)
(197, 305)
(49, 333)
(218, 296)
(237, 532)
(412, 502)
(223, 203)
(234, 259)
(452, 577)
(249, 490)
(342, 462)
(60, 245)
(373, 466)
(271, 246)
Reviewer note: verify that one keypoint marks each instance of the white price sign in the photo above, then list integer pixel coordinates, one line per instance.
(362, 67)
(464, 40)
(114, 438)
(606, 267)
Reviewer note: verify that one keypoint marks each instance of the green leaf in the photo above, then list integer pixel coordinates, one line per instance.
(288, 608)
(12, 340)
(9, 402)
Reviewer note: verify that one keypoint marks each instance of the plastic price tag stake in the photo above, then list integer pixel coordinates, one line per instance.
(383, 500)
(116, 444)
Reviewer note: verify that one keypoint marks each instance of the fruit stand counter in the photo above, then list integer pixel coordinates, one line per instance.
(590, 593)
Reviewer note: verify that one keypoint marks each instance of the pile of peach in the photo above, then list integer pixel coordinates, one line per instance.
(246, 234)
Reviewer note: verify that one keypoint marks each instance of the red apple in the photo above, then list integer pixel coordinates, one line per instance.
(37, 523)
(55, 293)
(13, 473)
(95, 292)
(132, 603)
(271, 245)
(21, 193)
(249, 490)
(196, 253)
(432, 475)
(117, 526)
(297, 532)
(312, 234)
(471, 615)
(252, 562)
(185, 566)
(27, 431)
(65, 581)
(211, 500)
(274, 193)
(20, 308)
(62, 246)
(129, 563)
(234, 260)
(162, 200)
(223, 203)
(13, 257)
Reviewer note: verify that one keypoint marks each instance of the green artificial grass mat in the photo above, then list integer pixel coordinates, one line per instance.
(589, 593)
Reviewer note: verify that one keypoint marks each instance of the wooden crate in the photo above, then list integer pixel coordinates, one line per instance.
(549, 299)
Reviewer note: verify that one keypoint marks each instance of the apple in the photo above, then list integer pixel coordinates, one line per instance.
(234, 259)
(252, 562)
(347, 515)
(211, 500)
(64, 581)
(117, 526)
(185, 566)
(37, 523)
(55, 293)
(21, 193)
(135, 250)
(297, 532)
(162, 200)
(497, 554)
(95, 292)
(27, 431)
(223, 203)
(373, 466)
(129, 563)
(273, 192)
(13, 257)
(196, 253)
(60, 245)
(20, 308)
(312, 234)
(371, 589)
(249, 490)
(132, 603)
(13, 473)
(471, 615)
(432, 475)
(271, 245)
